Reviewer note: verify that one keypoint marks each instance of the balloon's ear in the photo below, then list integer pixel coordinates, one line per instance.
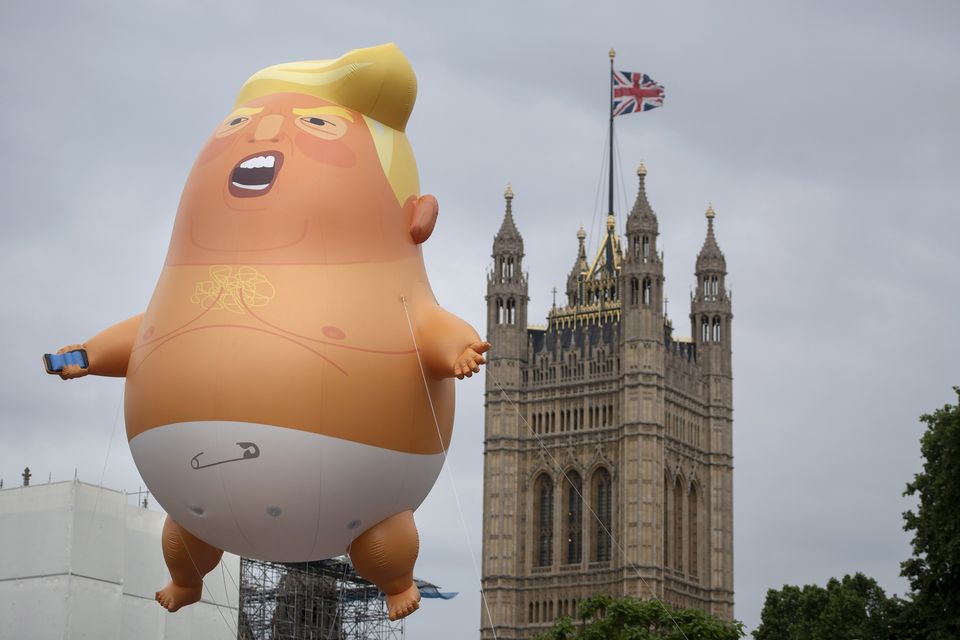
(425, 211)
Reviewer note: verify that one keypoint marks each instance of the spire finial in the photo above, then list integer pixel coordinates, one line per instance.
(26, 477)
(508, 196)
(613, 53)
(642, 169)
(611, 222)
(581, 234)
(710, 212)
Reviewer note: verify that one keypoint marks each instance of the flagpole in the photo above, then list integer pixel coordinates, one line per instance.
(610, 166)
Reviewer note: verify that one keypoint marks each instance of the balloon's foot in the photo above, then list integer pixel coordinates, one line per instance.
(402, 604)
(173, 596)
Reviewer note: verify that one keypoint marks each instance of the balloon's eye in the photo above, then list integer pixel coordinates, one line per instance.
(323, 126)
(231, 126)
(320, 123)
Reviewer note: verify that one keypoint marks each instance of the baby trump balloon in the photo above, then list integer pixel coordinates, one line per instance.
(289, 391)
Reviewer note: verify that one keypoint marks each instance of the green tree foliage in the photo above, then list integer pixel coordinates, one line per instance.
(604, 618)
(933, 610)
(854, 608)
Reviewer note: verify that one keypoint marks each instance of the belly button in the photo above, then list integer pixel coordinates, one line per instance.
(334, 333)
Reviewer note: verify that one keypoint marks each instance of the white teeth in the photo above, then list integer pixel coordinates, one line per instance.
(258, 162)
(255, 187)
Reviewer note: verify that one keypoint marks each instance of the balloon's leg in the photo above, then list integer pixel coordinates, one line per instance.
(385, 554)
(189, 559)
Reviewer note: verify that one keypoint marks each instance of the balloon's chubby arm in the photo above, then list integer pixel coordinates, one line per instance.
(106, 353)
(450, 346)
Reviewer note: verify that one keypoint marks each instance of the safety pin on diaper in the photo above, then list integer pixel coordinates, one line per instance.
(251, 451)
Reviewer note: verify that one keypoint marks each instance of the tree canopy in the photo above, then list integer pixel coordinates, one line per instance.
(603, 617)
(854, 608)
(934, 569)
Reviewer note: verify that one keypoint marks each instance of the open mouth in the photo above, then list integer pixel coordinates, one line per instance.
(256, 174)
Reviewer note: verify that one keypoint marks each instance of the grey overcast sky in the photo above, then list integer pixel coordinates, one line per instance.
(825, 134)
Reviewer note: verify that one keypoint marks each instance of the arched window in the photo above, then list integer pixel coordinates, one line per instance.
(634, 291)
(543, 495)
(693, 554)
(678, 524)
(646, 246)
(603, 508)
(714, 290)
(716, 328)
(499, 311)
(706, 287)
(646, 290)
(705, 329)
(511, 311)
(667, 547)
(573, 525)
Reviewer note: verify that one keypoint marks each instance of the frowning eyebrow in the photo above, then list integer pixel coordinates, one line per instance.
(245, 111)
(325, 111)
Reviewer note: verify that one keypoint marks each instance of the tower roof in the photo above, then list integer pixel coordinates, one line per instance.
(641, 218)
(508, 238)
(581, 265)
(711, 257)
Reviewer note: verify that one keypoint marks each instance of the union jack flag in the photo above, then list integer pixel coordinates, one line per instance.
(634, 91)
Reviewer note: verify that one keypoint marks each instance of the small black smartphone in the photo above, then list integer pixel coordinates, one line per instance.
(55, 362)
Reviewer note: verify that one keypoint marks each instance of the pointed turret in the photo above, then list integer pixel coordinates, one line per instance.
(642, 219)
(508, 238)
(710, 309)
(642, 282)
(643, 268)
(578, 272)
(507, 292)
(711, 257)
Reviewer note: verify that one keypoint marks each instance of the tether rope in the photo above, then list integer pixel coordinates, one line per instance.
(103, 472)
(233, 630)
(453, 484)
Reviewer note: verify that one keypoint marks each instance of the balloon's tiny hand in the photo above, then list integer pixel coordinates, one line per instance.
(71, 371)
(468, 362)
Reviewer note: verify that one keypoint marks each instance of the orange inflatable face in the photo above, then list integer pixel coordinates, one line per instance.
(290, 179)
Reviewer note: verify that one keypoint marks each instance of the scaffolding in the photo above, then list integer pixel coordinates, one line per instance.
(323, 600)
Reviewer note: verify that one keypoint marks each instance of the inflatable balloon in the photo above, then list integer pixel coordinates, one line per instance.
(288, 389)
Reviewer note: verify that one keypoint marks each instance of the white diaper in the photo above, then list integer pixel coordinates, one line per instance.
(280, 494)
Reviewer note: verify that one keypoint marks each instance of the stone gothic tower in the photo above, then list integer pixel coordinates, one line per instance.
(507, 326)
(711, 317)
(608, 440)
